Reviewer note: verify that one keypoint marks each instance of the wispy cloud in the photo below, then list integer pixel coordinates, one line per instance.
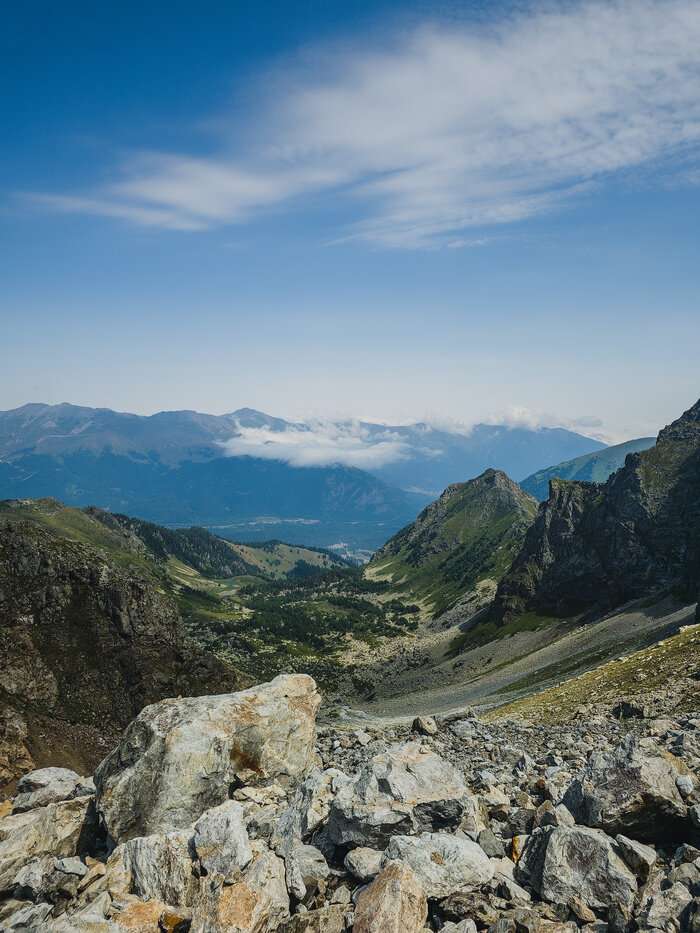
(320, 444)
(446, 128)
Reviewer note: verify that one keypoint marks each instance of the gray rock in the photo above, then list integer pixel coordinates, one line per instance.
(664, 910)
(57, 830)
(71, 866)
(630, 790)
(363, 863)
(424, 725)
(179, 758)
(640, 858)
(46, 785)
(684, 783)
(405, 789)
(442, 863)
(568, 862)
(492, 846)
(221, 840)
(161, 867)
(312, 864)
(308, 809)
(464, 926)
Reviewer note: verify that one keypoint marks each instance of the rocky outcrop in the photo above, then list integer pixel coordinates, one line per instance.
(595, 546)
(85, 645)
(470, 533)
(180, 757)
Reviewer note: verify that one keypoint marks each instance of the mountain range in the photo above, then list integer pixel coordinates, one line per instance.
(180, 468)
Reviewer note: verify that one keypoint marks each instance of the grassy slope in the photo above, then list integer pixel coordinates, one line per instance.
(471, 533)
(594, 467)
(190, 556)
(665, 673)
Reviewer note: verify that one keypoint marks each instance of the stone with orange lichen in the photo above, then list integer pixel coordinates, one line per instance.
(140, 916)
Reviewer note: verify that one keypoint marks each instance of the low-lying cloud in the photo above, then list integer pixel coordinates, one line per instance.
(320, 444)
(444, 128)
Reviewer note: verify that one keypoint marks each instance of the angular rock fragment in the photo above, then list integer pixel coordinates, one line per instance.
(221, 840)
(393, 903)
(630, 790)
(405, 789)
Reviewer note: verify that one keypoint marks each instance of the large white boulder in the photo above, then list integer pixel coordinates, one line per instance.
(180, 757)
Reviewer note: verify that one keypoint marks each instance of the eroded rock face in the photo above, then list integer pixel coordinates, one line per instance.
(221, 840)
(631, 790)
(394, 903)
(161, 867)
(405, 789)
(58, 830)
(179, 758)
(442, 863)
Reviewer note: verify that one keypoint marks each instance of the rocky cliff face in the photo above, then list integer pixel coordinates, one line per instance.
(594, 546)
(85, 645)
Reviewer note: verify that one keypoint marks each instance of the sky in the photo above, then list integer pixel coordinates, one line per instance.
(335, 209)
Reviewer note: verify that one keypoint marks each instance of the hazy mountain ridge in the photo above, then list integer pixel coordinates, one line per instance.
(594, 546)
(172, 468)
(595, 467)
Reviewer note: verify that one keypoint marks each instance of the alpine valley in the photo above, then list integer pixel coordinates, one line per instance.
(509, 739)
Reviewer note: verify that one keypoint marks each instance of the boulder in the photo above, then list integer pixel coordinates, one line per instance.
(221, 840)
(59, 830)
(640, 858)
(664, 910)
(308, 809)
(311, 864)
(161, 867)
(576, 862)
(631, 790)
(405, 789)
(424, 725)
(393, 903)
(363, 863)
(441, 862)
(48, 785)
(180, 757)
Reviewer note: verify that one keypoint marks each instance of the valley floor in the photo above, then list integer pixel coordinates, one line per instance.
(512, 668)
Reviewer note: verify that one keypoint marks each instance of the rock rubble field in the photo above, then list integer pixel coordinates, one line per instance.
(234, 814)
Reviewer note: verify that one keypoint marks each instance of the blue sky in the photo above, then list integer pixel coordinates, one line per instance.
(388, 210)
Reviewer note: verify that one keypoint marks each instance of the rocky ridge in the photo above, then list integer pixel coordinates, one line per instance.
(70, 616)
(595, 546)
(471, 533)
(235, 814)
